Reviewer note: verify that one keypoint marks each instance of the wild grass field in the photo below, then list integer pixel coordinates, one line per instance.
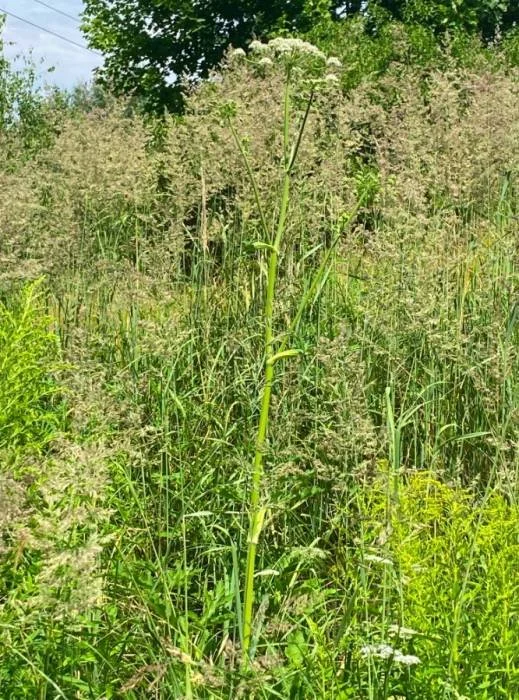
(259, 390)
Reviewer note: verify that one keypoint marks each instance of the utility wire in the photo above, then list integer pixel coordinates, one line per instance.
(56, 9)
(49, 31)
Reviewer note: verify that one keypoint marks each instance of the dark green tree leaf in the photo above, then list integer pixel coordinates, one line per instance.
(150, 45)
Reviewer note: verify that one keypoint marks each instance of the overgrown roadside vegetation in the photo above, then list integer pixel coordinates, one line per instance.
(387, 524)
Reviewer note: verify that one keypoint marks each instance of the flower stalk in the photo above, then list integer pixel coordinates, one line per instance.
(256, 508)
(274, 347)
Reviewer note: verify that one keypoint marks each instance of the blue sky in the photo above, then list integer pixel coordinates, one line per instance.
(72, 64)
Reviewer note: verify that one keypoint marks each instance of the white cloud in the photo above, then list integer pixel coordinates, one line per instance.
(71, 64)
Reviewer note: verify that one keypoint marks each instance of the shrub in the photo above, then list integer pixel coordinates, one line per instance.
(28, 358)
(454, 556)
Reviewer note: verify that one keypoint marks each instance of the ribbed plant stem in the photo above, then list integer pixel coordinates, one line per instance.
(256, 509)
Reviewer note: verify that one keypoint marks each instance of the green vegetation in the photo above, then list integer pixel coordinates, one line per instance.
(259, 382)
(27, 349)
(154, 48)
(485, 17)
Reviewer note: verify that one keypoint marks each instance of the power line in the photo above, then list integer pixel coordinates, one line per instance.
(55, 9)
(49, 31)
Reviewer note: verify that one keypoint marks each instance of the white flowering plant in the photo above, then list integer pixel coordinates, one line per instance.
(386, 652)
(302, 57)
(303, 69)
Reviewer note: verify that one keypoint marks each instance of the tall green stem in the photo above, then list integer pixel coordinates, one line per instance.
(273, 245)
(256, 510)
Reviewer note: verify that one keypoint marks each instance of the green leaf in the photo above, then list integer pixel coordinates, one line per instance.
(294, 651)
(261, 245)
(282, 355)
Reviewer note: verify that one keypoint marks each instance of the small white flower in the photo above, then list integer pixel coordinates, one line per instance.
(379, 651)
(333, 62)
(375, 558)
(407, 659)
(385, 652)
(280, 45)
(238, 53)
(258, 46)
(266, 62)
(331, 79)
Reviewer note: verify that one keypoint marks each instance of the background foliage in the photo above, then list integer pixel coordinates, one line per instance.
(151, 47)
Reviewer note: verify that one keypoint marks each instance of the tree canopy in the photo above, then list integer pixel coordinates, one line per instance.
(151, 45)
(484, 17)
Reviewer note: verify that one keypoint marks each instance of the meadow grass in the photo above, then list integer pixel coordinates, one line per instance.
(143, 457)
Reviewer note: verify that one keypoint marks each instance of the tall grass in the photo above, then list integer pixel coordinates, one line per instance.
(388, 509)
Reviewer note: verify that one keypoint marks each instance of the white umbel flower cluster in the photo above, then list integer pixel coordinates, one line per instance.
(385, 652)
(331, 79)
(407, 659)
(265, 62)
(379, 651)
(238, 53)
(303, 57)
(258, 46)
(281, 45)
